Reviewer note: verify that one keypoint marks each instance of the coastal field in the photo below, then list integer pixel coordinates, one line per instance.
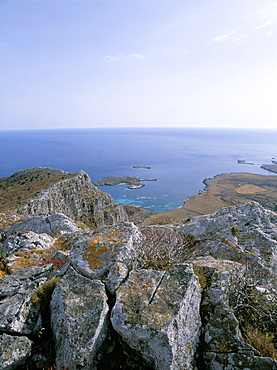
(225, 190)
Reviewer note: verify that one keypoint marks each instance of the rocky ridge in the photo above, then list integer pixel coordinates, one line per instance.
(77, 298)
(77, 198)
(76, 293)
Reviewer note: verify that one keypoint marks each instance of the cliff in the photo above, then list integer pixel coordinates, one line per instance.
(44, 191)
(196, 295)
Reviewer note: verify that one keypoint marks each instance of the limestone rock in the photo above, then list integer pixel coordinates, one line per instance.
(56, 224)
(25, 249)
(246, 232)
(79, 199)
(17, 313)
(157, 314)
(14, 351)
(79, 313)
(223, 346)
(26, 242)
(106, 254)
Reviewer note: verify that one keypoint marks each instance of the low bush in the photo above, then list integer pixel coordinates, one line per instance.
(255, 307)
(160, 247)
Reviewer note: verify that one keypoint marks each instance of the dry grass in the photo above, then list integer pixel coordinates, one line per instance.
(15, 190)
(261, 341)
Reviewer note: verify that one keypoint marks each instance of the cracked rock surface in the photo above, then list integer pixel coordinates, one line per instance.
(157, 314)
(105, 314)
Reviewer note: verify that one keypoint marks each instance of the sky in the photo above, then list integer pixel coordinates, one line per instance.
(138, 63)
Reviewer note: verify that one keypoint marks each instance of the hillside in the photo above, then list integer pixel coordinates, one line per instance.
(108, 294)
(16, 189)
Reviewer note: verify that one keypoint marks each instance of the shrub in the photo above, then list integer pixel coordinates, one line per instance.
(163, 220)
(254, 306)
(160, 247)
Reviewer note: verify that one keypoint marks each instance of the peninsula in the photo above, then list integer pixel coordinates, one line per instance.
(225, 190)
(270, 167)
(133, 182)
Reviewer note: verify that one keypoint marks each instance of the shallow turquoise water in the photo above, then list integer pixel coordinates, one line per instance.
(180, 159)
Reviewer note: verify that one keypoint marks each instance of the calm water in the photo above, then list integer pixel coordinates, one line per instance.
(179, 158)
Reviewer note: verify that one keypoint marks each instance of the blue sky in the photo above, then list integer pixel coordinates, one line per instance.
(131, 63)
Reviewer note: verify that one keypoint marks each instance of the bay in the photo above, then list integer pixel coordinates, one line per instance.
(180, 159)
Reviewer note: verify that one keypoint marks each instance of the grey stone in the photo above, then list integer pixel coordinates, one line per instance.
(223, 346)
(157, 314)
(106, 254)
(56, 224)
(14, 351)
(246, 232)
(17, 313)
(79, 318)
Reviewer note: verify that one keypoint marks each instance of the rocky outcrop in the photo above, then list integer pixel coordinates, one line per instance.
(78, 199)
(246, 232)
(56, 224)
(157, 314)
(18, 314)
(106, 254)
(29, 241)
(105, 312)
(223, 346)
(79, 320)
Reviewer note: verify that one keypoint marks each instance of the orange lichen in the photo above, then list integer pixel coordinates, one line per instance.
(2, 273)
(21, 263)
(223, 347)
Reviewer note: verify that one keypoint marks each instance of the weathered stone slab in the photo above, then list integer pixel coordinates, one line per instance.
(157, 314)
(56, 224)
(106, 255)
(13, 351)
(79, 319)
(17, 313)
(243, 233)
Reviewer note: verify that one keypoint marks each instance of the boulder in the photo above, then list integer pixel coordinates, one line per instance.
(56, 224)
(14, 351)
(156, 313)
(106, 254)
(243, 233)
(79, 319)
(17, 313)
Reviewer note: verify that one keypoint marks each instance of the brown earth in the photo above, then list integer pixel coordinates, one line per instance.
(226, 190)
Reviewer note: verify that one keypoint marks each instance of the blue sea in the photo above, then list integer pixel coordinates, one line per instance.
(180, 159)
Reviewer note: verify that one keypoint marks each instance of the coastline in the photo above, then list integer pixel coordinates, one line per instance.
(226, 190)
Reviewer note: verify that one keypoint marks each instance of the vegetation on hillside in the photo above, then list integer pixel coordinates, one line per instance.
(16, 189)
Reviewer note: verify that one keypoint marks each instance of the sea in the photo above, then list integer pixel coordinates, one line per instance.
(179, 158)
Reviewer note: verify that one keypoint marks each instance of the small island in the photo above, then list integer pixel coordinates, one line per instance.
(146, 167)
(133, 182)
